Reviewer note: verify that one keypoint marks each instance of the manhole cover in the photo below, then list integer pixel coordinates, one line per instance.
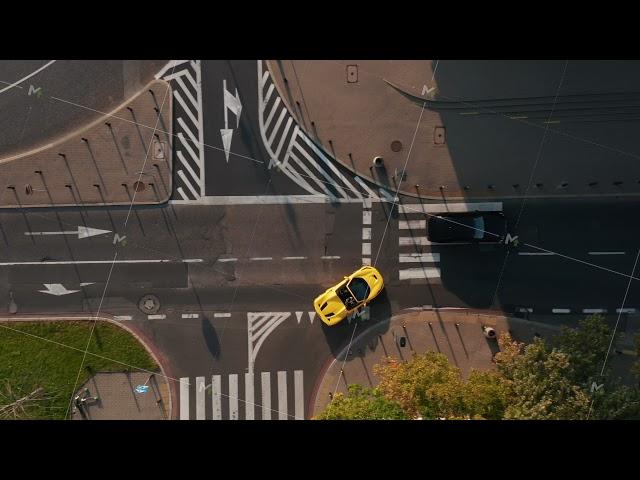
(396, 146)
(139, 186)
(149, 304)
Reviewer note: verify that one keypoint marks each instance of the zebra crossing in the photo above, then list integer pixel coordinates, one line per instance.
(416, 264)
(184, 76)
(232, 397)
(292, 151)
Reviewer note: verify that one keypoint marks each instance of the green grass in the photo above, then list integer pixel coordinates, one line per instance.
(27, 362)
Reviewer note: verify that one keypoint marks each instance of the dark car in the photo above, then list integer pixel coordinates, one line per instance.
(467, 227)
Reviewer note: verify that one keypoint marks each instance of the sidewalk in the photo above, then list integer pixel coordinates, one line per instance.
(101, 163)
(456, 333)
(480, 129)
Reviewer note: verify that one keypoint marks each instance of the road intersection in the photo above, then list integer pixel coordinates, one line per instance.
(262, 220)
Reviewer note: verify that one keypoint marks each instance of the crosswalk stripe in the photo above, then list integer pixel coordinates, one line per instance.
(282, 395)
(266, 395)
(412, 224)
(298, 387)
(233, 396)
(216, 396)
(413, 273)
(366, 217)
(184, 398)
(419, 257)
(450, 207)
(200, 391)
(249, 397)
(403, 241)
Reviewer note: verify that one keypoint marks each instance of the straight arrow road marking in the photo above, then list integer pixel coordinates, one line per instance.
(81, 232)
(232, 103)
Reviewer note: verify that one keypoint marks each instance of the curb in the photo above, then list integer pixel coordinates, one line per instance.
(109, 319)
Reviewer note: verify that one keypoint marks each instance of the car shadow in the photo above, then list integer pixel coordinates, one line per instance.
(210, 337)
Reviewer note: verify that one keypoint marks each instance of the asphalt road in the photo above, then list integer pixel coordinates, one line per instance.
(235, 281)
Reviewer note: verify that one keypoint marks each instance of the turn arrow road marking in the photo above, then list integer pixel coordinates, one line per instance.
(232, 103)
(56, 289)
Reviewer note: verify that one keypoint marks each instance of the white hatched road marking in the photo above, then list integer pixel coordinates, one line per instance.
(282, 395)
(249, 397)
(265, 378)
(267, 322)
(184, 398)
(233, 396)
(200, 392)
(298, 379)
(317, 166)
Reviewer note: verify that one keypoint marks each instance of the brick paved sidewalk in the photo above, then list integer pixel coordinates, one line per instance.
(101, 163)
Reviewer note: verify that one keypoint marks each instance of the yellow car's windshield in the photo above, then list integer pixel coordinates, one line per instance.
(359, 288)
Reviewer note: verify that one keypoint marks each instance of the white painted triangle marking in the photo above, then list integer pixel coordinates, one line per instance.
(84, 232)
(227, 135)
(312, 315)
(427, 90)
(299, 316)
(56, 289)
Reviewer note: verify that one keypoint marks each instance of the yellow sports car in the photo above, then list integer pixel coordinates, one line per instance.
(354, 292)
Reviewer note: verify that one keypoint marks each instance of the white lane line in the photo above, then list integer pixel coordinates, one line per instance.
(200, 390)
(282, 395)
(451, 207)
(594, 310)
(561, 310)
(412, 273)
(231, 259)
(91, 262)
(263, 200)
(15, 84)
(366, 217)
(216, 396)
(265, 379)
(298, 381)
(233, 396)
(157, 317)
(607, 253)
(625, 310)
(536, 253)
(184, 398)
(122, 317)
(523, 310)
(419, 257)
(403, 241)
(366, 261)
(330, 257)
(366, 233)
(190, 315)
(412, 224)
(366, 248)
(249, 403)
(261, 258)
(221, 315)
(294, 258)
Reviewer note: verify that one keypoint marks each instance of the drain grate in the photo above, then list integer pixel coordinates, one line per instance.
(396, 146)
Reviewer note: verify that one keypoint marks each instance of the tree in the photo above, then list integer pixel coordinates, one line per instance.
(539, 382)
(362, 404)
(427, 386)
(485, 394)
(586, 347)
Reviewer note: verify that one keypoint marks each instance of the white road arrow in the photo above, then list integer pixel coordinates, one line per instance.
(56, 289)
(81, 232)
(232, 103)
